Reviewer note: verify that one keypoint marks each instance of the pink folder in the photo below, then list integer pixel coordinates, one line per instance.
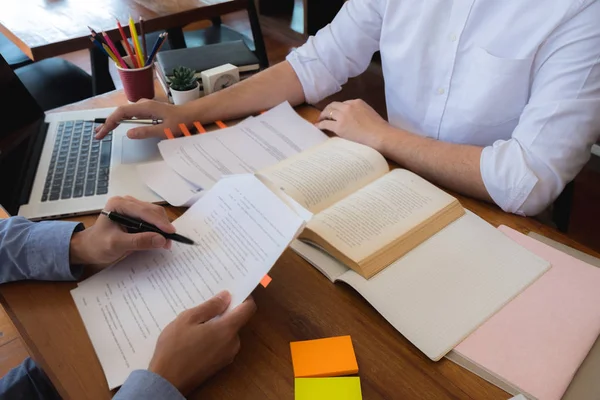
(538, 340)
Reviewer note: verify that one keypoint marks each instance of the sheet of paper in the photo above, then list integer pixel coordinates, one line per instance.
(538, 341)
(324, 357)
(325, 174)
(444, 289)
(168, 184)
(347, 388)
(241, 228)
(263, 141)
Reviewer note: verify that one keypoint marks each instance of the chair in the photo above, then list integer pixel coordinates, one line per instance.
(55, 82)
(12, 54)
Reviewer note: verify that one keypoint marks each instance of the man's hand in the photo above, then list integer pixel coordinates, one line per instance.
(355, 120)
(171, 115)
(106, 242)
(196, 344)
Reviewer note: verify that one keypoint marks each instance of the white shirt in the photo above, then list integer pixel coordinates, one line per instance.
(520, 78)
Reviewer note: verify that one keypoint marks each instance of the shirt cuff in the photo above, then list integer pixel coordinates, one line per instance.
(48, 251)
(316, 80)
(143, 384)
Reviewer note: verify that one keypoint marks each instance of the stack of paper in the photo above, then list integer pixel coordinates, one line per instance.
(195, 163)
(536, 343)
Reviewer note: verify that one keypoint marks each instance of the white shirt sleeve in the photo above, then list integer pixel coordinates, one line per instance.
(558, 126)
(341, 50)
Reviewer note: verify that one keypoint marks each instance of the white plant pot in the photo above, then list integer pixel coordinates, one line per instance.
(182, 97)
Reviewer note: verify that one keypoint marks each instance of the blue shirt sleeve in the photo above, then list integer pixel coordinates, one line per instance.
(36, 250)
(146, 385)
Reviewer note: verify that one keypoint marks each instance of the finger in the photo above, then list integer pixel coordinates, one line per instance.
(239, 316)
(209, 309)
(143, 132)
(330, 110)
(139, 110)
(328, 125)
(147, 212)
(124, 242)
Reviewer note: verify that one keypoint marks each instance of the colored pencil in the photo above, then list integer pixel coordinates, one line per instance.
(110, 43)
(110, 53)
(128, 50)
(143, 35)
(162, 38)
(136, 41)
(99, 45)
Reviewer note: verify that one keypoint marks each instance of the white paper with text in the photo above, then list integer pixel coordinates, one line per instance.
(240, 228)
(258, 143)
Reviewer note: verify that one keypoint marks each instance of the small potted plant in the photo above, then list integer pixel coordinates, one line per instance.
(184, 85)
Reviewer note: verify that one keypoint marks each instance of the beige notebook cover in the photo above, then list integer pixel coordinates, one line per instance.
(441, 291)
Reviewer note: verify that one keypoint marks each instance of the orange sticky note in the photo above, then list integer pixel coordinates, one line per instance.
(220, 124)
(169, 133)
(324, 357)
(262, 112)
(199, 127)
(184, 130)
(265, 280)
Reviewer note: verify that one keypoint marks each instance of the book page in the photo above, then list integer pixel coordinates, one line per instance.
(257, 143)
(240, 229)
(379, 213)
(441, 291)
(327, 173)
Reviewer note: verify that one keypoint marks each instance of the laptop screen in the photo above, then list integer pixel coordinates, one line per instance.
(20, 119)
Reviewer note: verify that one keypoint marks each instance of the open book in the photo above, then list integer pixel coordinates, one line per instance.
(365, 216)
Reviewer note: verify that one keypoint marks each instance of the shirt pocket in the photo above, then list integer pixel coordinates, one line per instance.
(495, 90)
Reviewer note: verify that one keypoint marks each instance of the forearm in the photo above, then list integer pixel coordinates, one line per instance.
(36, 250)
(255, 94)
(454, 166)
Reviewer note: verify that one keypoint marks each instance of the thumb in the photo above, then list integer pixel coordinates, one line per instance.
(209, 309)
(140, 241)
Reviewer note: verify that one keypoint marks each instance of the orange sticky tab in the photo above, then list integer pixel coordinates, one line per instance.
(324, 357)
(199, 127)
(262, 112)
(169, 133)
(220, 124)
(265, 280)
(184, 130)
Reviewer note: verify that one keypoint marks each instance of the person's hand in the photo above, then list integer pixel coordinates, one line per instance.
(196, 345)
(354, 120)
(171, 115)
(106, 241)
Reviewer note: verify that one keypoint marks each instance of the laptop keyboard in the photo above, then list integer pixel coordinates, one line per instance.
(79, 165)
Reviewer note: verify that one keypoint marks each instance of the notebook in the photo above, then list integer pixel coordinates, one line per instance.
(445, 288)
(536, 343)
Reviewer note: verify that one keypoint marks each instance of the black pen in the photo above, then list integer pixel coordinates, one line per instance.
(142, 121)
(141, 226)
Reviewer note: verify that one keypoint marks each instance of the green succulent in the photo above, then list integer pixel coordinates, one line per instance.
(183, 79)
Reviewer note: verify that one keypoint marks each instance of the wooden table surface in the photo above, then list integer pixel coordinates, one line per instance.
(47, 28)
(299, 304)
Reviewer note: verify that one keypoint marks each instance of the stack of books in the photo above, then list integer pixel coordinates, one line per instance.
(204, 58)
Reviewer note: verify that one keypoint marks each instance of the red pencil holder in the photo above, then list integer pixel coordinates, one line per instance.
(138, 83)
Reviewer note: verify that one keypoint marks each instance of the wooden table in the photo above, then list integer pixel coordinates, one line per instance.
(299, 304)
(43, 28)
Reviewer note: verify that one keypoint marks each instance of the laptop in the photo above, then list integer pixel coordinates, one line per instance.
(51, 165)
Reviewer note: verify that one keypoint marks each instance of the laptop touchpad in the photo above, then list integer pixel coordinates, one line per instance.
(136, 151)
